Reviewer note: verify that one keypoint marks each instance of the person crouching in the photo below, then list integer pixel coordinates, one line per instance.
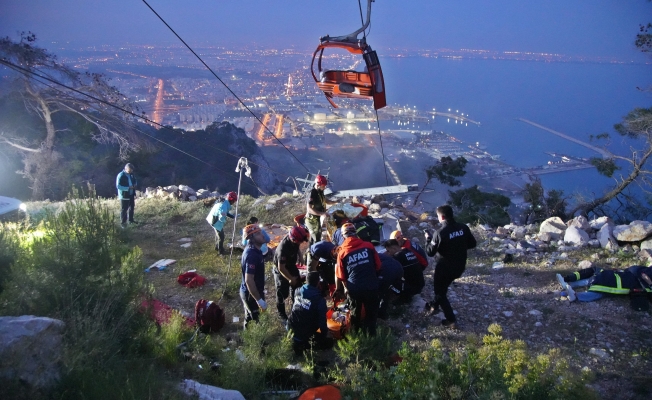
(308, 315)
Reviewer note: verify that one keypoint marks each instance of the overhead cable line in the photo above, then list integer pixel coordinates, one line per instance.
(225, 85)
(25, 71)
(381, 148)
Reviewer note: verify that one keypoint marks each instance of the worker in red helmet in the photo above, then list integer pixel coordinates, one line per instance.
(316, 209)
(217, 217)
(356, 269)
(286, 274)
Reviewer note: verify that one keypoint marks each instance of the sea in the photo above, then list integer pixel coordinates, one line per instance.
(578, 99)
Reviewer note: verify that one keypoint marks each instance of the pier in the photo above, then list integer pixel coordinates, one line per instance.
(604, 153)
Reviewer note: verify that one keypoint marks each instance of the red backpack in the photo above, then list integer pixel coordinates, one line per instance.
(209, 317)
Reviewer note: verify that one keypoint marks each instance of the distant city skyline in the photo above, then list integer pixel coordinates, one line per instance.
(602, 28)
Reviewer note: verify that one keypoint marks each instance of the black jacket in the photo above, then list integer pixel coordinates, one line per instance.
(451, 241)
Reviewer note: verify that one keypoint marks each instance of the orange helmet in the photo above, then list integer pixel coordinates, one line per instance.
(299, 234)
(321, 180)
(348, 229)
(251, 229)
(232, 196)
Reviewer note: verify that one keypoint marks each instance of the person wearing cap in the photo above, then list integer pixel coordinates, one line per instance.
(252, 287)
(411, 245)
(356, 270)
(451, 242)
(286, 274)
(126, 183)
(413, 281)
(245, 241)
(308, 315)
(217, 218)
(316, 208)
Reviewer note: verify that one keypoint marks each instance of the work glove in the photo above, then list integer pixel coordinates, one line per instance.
(262, 304)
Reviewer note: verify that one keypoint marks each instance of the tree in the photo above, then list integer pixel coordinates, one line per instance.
(37, 75)
(637, 127)
(475, 206)
(446, 171)
(542, 206)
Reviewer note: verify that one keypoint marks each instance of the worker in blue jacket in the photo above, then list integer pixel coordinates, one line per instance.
(309, 315)
(217, 218)
(126, 183)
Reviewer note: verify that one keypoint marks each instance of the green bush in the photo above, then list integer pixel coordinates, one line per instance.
(491, 368)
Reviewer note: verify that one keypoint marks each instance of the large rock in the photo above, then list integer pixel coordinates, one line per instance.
(553, 225)
(579, 222)
(519, 232)
(646, 244)
(576, 236)
(598, 223)
(187, 189)
(30, 349)
(634, 232)
(208, 392)
(605, 237)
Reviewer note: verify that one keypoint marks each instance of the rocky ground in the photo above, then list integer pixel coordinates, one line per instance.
(606, 336)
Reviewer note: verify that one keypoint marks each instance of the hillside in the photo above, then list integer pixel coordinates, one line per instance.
(604, 340)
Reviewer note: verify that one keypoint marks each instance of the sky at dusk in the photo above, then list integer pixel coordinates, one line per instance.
(573, 27)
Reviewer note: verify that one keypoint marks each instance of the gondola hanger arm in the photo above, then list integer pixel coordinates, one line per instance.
(352, 37)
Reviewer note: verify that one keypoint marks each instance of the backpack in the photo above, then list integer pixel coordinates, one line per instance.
(368, 229)
(210, 218)
(209, 317)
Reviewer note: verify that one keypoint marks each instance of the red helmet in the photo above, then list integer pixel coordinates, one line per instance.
(299, 234)
(321, 180)
(348, 229)
(231, 196)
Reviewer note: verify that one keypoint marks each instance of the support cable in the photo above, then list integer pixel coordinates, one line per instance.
(225, 85)
(381, 148)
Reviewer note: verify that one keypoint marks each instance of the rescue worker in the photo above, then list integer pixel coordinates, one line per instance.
(252, 287)
(411, 245)
(451, 242)
(254, 221)
(126, 184)
(390, 282)
(323, 255)
(340, 218)
(316, 209)
(309, 315)
(606, 281)
(286, 274)
(217, 217)
(413, 281)
(356, 270)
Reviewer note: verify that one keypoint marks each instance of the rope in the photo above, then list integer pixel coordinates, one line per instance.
(381, 148)
(225, 85)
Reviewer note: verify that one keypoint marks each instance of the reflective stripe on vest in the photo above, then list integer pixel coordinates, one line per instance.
(577, 275)
(612, 290)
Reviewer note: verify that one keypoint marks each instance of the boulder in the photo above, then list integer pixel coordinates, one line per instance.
(579, 222)
(208, 392)
(548, 237)
(553, 225)
(646, 244)
(634, 232)
(30, 349)
(171, 188)
(374, 208)
(605, 237)
(187, 189)
(645, 254)
(501, 230)
(598, 223)
(584, 264)
(519, 232)
(576, 236)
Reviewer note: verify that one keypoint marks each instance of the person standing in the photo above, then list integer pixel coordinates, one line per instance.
(217, 217)
(126, 183)
(451, 242)
(254, 221)
(356, 270)
(316, 209)
(286, 274)
(252, 287)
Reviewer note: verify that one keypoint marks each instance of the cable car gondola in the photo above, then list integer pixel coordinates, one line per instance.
(351, 84)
